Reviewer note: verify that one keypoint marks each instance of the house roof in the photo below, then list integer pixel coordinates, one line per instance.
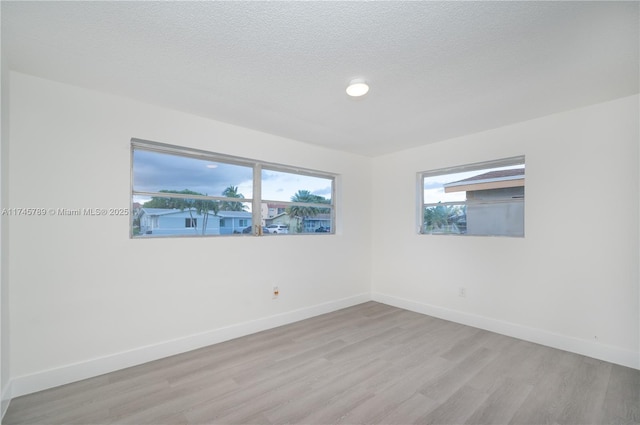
(223, 214)
(234, 214)
(492, 175)
(491, 180)
(161, 211)
(166, 211)
(279, 215)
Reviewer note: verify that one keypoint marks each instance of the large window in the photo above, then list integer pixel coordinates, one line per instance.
(185, 192)
(483, 199)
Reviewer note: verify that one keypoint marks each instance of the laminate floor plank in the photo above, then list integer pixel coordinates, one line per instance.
(522, 361)
(466, 343)
(621, 403)
(452, 380)
(324, 392)
(587, 388)
(86, 402)
(273, 397)
(398, 390)
(340, 406)
(279, 363)
(367, 364)
(502, 403)
(457, 408)
(172, 406)
(552, 390)
(441, 339)
(47, 399)
(292, 383)
(408, 412)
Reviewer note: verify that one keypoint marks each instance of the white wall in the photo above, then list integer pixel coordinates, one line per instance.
(572, 282)
(86, 299)
(4, 232)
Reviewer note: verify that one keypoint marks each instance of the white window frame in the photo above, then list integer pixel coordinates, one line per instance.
(504, 162)
(256, 200)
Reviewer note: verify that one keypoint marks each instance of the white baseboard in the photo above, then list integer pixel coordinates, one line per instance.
(28, 384)
(575, 345)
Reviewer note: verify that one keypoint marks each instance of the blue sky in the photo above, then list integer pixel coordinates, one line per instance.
(154, 171)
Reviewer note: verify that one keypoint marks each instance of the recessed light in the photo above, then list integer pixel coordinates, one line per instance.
(357, 88)
(212, 166)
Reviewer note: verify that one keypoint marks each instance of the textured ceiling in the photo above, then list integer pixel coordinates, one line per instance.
(437, 70)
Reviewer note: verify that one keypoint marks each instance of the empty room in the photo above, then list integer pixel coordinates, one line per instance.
(320, 212)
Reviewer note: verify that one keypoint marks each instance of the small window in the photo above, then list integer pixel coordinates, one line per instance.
(190, 222)
(483, 199)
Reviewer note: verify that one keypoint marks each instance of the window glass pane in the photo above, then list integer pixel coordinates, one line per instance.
(160, 172)
(288, 187)
(447, 187)
(298, 219)
(189, 217)
(288, 209)
(486, 201)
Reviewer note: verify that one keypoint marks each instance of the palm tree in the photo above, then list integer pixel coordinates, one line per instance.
(304, 211)
(232, 192)
(177, 203)
(204, 207)
(442, 217)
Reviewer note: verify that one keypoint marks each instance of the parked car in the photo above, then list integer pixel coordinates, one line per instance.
(323, 229)
(250, 230)
(277, 228)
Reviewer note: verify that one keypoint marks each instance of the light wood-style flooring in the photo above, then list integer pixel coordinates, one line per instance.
(367, 364)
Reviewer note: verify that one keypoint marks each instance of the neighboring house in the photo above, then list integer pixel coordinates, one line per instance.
(495, 202)
(271, 210)
(233, 221)
(319, 221)
(164, 221)
(298, 225)
(308, 224)
(282, 218)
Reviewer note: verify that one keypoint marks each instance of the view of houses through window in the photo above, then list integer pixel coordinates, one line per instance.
(184, 192)
(485, 199)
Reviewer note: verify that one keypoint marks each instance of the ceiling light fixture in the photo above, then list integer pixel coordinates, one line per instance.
(357, 88)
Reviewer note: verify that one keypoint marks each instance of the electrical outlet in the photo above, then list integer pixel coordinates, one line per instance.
(276, 292)
(462, 292)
